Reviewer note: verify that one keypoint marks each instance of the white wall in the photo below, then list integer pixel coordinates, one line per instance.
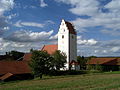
(63, 43)
(67, 43)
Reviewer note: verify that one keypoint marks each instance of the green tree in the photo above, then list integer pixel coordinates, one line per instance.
(40, 63)
(82, 62)
(31, 50)
(14, 55)
(59, 60)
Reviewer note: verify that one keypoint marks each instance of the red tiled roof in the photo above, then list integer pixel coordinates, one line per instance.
(14, 67)
(27, 56)
(50, 48)
(7, 75)
(73, 62)
(105, 61)
(70, 27)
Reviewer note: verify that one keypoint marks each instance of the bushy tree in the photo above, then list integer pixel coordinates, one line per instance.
(12, 55)
(16, 55)
(40, 63)
(59, 60)
(82, 62)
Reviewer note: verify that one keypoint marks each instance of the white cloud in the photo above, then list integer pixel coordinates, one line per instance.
(3, 44)
(93, 8)
(111, 32)
(12, 16)
(18, 24)
(101, 48)
(113, 6)
(32, 24)
(25, 40)
(82, 7)
(29, 36)
(6, 5)
(54, 37)
(6, 46)
(49, 22)
(80, 41)
(85, 7)
(42, 3)
(115, 49)
(18, 45)
(6, 28)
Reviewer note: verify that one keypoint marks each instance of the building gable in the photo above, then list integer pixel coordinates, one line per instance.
(65, 25)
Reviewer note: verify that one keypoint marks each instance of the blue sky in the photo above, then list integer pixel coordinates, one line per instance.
(26, 24)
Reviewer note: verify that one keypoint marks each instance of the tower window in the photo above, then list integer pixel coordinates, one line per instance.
(72, 36)
(62, 36)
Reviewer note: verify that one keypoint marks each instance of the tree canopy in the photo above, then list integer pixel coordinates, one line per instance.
(82, 62)
(12, 55)
(59, 59)
(44, 63)
(40, 63)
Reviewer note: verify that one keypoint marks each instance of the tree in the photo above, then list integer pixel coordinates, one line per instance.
(82, 62)
(89, 66)
(31, 50)
(40, 63)
(59, 60)
(13, 55)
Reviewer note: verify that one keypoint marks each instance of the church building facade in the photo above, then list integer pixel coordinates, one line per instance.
(67, 43)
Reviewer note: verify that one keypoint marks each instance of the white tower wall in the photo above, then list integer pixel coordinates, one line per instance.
(67, 43)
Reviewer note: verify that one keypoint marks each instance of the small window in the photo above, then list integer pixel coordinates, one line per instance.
(72, 36)
(62, 36)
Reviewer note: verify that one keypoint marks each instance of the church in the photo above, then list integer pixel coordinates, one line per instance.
(67, 43)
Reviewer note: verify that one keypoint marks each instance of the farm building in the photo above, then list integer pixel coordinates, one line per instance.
(107, 64)
(14, 70)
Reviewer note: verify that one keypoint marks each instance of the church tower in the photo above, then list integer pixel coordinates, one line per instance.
(67, 43)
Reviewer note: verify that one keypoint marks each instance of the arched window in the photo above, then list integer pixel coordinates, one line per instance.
(62, 36)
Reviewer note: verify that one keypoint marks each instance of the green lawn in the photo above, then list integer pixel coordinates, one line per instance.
(71, 82)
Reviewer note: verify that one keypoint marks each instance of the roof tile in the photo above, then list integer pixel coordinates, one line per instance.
(105, 61)
(14, 67)
(50, 48)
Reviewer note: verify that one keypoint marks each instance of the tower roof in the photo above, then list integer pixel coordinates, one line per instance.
(70, 27)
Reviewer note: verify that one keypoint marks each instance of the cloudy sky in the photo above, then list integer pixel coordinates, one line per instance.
(26, 24)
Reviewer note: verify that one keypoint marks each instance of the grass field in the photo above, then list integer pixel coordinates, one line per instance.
(107, 81)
